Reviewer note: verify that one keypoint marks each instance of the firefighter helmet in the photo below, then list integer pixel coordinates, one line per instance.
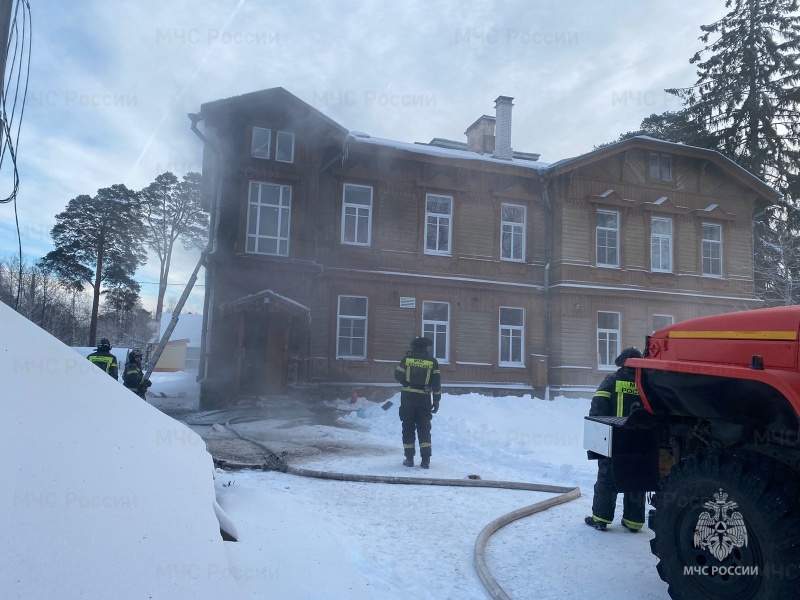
(631, 352)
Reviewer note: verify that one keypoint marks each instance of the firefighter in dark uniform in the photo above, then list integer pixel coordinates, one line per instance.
(418, 373)
(133, 377)
(617, 396)
(103, 358)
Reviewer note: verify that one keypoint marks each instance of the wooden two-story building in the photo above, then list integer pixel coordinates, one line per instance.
(332, 249)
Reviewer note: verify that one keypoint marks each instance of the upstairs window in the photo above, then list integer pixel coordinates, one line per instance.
(269, 211)
(660, 166)
(435, 326)
(259, 146)
(284, 147)
(512, 232)
(438, 224)
(351, 328)
(512, 328)
(356, 214)
(661, 245)
(607, 238)
(712, 250)
(607, 340)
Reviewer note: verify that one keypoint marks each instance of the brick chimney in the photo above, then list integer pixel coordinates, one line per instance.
(502, 146)
(480, 135)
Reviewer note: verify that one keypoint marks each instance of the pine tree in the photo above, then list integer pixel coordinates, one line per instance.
(172, 211)
(746, 97)
(746, 93)
(98, 242)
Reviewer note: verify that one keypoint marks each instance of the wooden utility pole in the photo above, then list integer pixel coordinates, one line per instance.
(6, 7)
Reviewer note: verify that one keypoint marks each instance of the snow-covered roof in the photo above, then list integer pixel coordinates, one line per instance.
(266, 295)
(428, 150)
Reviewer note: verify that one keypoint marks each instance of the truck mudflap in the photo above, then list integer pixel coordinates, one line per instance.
(633, 444)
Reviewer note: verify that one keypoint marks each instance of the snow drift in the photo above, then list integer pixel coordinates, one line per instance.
(104, 496)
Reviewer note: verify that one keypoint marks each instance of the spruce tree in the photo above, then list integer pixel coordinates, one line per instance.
(98, 243)
(746, 93)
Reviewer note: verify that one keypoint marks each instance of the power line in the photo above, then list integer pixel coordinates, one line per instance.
(157, 283)
(22, 40)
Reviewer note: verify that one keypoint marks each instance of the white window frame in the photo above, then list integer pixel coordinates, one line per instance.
(350, 319)
(278, 146)
(284, 212)
(438, 332)
(670, 317)
(356, 212)
(439, 220)
(610, 338)
(659, 241)
(512, 333)
(607, 230)
(514, 229)
(263, 154)
(661, 161)
(706, 249)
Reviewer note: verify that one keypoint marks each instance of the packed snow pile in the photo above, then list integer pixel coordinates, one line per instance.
(103, 495)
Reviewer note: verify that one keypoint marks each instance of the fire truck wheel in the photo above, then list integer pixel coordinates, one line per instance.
(727, 526)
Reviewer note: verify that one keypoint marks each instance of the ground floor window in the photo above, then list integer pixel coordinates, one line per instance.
(661, 321)
(512, 327)
(436, 326)
(351, 330)
(607, 339)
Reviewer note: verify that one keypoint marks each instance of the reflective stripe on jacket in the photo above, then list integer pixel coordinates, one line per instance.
(616, 396)
(418, 372)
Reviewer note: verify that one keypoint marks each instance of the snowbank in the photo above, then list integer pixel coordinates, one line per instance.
(104, 496)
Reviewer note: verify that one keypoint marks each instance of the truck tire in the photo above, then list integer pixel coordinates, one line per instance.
(727, 527)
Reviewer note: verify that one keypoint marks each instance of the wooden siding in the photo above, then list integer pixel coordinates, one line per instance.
(560, 319)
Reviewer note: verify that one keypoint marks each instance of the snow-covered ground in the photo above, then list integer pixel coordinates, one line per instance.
(105, 496)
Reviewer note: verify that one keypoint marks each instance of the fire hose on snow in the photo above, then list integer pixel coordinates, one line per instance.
(277, 462)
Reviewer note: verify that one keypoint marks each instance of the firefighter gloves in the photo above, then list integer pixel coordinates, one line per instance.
(435, 407)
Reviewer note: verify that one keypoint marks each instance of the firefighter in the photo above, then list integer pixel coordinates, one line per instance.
(103, 358)
(418, 373)
(133, 378)
(617, 396)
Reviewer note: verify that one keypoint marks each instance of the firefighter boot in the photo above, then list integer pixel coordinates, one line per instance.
(599, 525)
(426, 462)
(409, 460)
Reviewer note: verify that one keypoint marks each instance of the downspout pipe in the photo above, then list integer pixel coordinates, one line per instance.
(313, 283)
(211, 246)
(548, 328)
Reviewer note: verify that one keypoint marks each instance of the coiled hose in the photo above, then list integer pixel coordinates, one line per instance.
(277, 462)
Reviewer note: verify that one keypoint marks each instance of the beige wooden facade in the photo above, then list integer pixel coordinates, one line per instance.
(344, 302)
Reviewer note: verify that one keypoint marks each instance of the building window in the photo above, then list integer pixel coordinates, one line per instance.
(607, 339)
(351, 331)
(661, 245)
(512, 328)
(357, 215)
(259, 146)
(660, 166)
(284, 147)
(712, 250)
(512, 232)
(438, 224)
(607, 238)
(268, 214)
(435, 326)
(661, 321)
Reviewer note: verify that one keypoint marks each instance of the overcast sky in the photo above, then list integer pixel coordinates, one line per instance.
(112, 82)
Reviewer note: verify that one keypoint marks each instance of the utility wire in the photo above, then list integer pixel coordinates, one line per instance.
(21, 35)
